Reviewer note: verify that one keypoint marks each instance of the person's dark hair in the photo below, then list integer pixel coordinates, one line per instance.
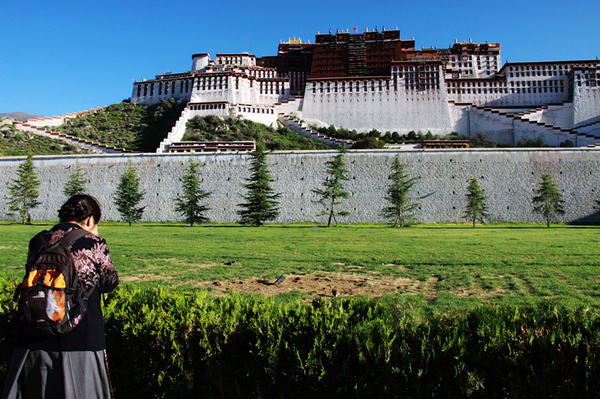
(79, 207)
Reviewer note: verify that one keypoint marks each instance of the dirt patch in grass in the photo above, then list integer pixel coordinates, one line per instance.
(144, 277)
(482, 294)
(322, 284)
(178, 262)
(330, 284)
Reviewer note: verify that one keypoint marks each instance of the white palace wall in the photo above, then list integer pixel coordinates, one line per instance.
(509, 178)
(586, 105)
(385, 110)
(558, 115)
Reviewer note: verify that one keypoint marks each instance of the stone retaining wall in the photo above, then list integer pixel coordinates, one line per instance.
(509, 178)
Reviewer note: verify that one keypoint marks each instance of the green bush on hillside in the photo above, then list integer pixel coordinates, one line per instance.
(377, 139)
(131, 126)
(169, 344)
(213, 128)
(16, 142)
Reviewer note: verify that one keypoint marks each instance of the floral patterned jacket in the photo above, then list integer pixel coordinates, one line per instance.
(90, 257)
(95, 269)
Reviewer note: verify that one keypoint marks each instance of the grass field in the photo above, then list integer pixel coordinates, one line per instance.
(436, 266)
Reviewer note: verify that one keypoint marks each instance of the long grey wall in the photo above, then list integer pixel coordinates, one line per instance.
(509, 178)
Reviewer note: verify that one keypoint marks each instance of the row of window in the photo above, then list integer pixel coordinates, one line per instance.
(454, 58)
(421, 75)
(164, 88)
(538, 83)
(271, 87)
(589, 83)
(532, 83)
(504, 90)
(212, 83)
(257, 110)
(475, 84)
(555, 67)
(200, 107)
(412, 68)
(535, 73)
(588, 76)
(328, 87)
(373, 85)
(231, 60)
(261, 73)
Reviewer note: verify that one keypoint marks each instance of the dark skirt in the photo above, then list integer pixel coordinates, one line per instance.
(43, 375)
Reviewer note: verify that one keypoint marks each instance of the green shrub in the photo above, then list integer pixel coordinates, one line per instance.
(131, 126)
(178, 344)
(213, 128)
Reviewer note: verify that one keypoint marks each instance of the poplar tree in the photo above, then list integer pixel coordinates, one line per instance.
(332, 191)
(23, 191)
(548, 199)
(476, 208)
(261, 201)
(190, 205)
(128, 195)
(77, 182)
(399, 213)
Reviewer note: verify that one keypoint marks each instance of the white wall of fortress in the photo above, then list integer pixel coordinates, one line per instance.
(558, 115)
(509, 99)
(508, 130)
(586, 105)
(509, 178)
(386, 110)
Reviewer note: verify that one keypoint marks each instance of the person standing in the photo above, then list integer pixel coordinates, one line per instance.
(70, 365)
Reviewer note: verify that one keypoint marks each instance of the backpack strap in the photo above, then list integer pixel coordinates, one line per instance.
(67, 240)
(70, 238)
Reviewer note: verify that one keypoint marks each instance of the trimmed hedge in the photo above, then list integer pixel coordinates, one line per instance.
(175, 344)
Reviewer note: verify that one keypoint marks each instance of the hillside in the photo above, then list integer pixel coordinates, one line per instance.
(16, 142)
(130, 126)
(212, 128)
(20, 116)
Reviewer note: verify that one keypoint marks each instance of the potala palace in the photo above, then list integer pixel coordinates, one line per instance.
(376, 80)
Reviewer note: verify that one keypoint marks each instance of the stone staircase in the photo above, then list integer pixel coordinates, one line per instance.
(88, 144)
(527, 121)
(300, 127)
(177, 131)
(58, 120)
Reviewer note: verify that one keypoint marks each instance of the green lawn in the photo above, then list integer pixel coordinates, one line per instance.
(444, 266)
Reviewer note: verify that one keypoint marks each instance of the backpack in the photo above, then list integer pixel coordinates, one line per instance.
(51, 298)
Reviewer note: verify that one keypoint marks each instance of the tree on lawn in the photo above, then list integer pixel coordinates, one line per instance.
(332, 191)
(261, 201)
(77, 182)
(23, 191)
(399, 213)
(548, 199)
(476, 208)
(190, 204)
(129, 195)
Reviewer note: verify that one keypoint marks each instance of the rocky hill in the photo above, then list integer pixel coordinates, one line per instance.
(20, 116)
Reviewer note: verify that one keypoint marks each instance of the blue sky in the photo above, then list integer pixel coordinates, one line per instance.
(65, 56)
